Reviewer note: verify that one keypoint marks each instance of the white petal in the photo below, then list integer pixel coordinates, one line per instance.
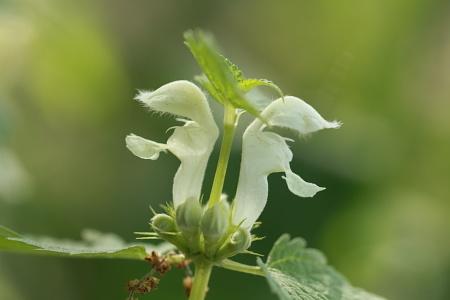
(192, 145)
(300, 187)
(144, 148)
(180, 98)
(295, 114)
(262, 153)
(265, 152)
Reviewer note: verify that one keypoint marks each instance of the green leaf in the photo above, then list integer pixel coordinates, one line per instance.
(233, 69)
(297, 273)
(222, 75)
(247, 84)
(210, 88)
(95, 244)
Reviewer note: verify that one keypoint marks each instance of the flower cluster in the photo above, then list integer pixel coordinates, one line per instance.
(222, 230)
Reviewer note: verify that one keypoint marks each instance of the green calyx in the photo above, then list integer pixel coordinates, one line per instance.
(164, 225)
(189, 215)
(214, 223)
(201, 231)
(167, 229)
(238, 242)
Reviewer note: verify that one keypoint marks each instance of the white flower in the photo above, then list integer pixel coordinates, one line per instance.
(192, 143)
(265, 152)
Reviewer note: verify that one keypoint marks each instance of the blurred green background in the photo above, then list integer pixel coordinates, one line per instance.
(70, 69)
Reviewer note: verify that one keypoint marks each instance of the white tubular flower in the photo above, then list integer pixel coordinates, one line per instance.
(191, 143)
(264, 153)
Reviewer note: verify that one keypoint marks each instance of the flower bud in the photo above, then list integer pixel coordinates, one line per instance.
(239, 242)
(241, 239)
(214, 222)
(164, 224)
(189, 215)
(166, 228)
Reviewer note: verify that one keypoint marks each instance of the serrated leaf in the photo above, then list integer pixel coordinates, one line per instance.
(247, 84)
(221, 74)
(94, 244)
(297, 273)
(203, 48)
(238, 76)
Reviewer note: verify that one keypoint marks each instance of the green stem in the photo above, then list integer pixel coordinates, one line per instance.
(229, 128)
(203, 269)
(235, 266)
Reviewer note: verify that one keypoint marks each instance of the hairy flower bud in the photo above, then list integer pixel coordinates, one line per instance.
(164, 224)
(214, 222)
(239, 241)
(167, 229)
(188, 215)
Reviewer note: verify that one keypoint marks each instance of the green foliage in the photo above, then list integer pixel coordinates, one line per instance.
(94, 245)
(222, 77)
(295, 272)
(247, 84)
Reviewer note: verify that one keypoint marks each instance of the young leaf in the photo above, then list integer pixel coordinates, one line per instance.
(247, 84)
(222, 75)
(94, 245)
(209, 88)
(238, 76)
(297, 273)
